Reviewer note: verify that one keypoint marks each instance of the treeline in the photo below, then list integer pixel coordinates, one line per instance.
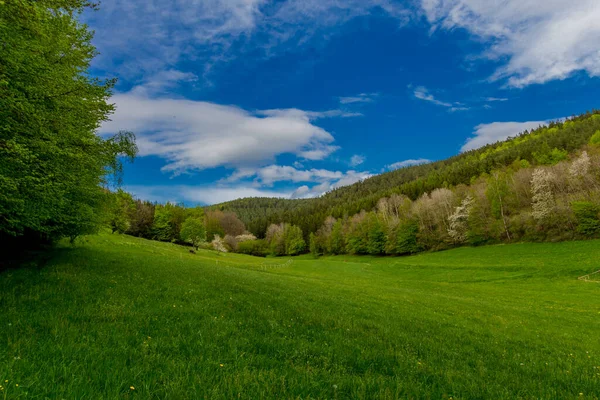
(553, 202)
(538, 147)
(210, 229)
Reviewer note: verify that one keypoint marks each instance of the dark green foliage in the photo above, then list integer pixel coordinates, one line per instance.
(405, 236)
(52, 164)
(258, 248)
(588, 217)
(376, 236)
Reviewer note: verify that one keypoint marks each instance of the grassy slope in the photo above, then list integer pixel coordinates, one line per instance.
(494, 322)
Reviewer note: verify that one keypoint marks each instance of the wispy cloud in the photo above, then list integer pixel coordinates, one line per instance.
(348, 178)
(497, 131)
(141, 37)
(422, 93)
(407, 163)
(360, 98)
(356, 160)
(534, 41)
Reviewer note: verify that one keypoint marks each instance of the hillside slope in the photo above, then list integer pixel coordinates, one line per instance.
(120, 317)
(309, 214)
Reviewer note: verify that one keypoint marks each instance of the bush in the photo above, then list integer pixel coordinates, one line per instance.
(258, 248)
(588, 217)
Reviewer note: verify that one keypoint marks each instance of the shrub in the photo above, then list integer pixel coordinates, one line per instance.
(588, 217)
(258, 248)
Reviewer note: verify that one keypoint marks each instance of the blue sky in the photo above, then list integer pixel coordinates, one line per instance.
(292, 98)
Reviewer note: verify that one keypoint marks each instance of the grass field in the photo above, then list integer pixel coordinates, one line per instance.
(120, 317)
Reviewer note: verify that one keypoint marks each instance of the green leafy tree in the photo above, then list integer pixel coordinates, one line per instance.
(314, 245)
(193, 231)
(337, 241)
(162, 227)
(121, 212)
(406, 238)
(53, 165)
(376, 235)
(294, 240)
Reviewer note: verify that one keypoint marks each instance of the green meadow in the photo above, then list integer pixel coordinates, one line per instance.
(117, 317)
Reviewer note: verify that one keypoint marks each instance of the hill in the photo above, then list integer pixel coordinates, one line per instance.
(123, 317)
(309, 214)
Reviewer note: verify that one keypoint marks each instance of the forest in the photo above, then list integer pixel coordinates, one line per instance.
(542, 185)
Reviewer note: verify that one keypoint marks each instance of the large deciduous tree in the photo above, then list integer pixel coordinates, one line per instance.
(53, 165)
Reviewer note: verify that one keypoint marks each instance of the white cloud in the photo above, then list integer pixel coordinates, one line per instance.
(491, 99)
(536, 41)
(200, 194)
(327, 180)
(284, 173)
(360, 98)
(356, 160)
(195, 135)
(422, 93)
(497, 131)
(348, 178)
(407, 163)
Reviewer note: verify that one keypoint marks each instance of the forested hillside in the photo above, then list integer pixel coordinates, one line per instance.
(542, 185)
(542, 146)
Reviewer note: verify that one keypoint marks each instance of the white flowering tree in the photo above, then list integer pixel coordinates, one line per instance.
(458, 220)
(543, 197)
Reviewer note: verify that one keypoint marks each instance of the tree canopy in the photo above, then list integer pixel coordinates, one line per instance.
(54, 168)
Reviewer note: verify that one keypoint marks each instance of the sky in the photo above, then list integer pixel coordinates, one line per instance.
(294, 98)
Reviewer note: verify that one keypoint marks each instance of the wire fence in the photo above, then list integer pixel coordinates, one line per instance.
(593, 277)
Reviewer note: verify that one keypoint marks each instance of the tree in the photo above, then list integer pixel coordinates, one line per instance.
(218, 244)
(543, 198)
(459, 220)
(376, 236)
(406, 238)
(294, 240)
(121, 211)
(497, 191)
(313, 245)
(193, 231)
(142, 219)
(163, 228)
(53, 166)
(337, 243)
